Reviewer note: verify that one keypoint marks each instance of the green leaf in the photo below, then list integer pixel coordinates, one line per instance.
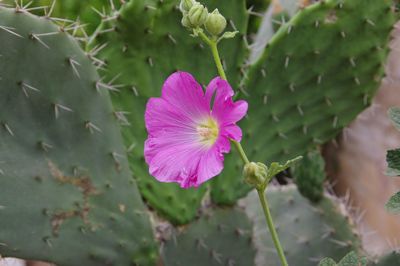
(394, 115)
(276, 168)
(392, 172)
(393, 205)
(352, 259)
(228, 35)
(393, 160)
(327, 262)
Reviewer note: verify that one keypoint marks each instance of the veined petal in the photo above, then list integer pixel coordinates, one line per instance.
(183, 92)
(174, 160)
(161, 116)
(232, 132)
(224, 109)
(210, 165)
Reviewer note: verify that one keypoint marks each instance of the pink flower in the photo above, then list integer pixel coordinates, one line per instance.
(189, 130)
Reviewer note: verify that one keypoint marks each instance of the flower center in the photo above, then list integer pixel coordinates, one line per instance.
(208, 131)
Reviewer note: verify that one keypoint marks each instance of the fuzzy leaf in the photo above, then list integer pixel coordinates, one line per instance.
(393, 205)
(393, 160)
(276, 168)
(327, 262)
(394, 115)
(352, 259)
(228, 35)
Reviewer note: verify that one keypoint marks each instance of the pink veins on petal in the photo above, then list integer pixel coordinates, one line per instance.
(189, 130)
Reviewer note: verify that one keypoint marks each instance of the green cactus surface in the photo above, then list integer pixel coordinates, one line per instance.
(89, 13)
(149, 44)
(66, 192)
(256, 7)
(221, 237)
(317, 73)
(308, 232)
(309, 176)
(391, 259)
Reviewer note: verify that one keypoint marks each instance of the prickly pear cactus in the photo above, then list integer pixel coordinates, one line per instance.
(66, 192)
(310, 175)
(221, 237)
(317, 73)
(391, 259)
(308, 232)
(88, 13)
(147, 45)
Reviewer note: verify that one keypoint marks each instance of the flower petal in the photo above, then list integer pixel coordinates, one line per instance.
(224, 109)
(211, 164)
(184, 163)
(232, 132)
(183, 92)
(160, 117)
(170, 160)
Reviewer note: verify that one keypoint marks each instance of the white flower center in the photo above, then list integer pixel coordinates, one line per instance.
(208, 131)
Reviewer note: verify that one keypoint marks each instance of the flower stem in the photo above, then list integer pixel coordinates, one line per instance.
(217, 59)
(241, 152)
(271, 226)
(214, 49)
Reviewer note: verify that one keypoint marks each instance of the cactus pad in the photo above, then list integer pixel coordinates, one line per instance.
(310, 176)
(391, 259)
(66, 193)
(223, 237)
(307, 232)
(317, 73)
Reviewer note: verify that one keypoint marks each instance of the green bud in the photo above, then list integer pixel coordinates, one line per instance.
(255, 173)
(216, 23)
(186, 5)
(186, 22)
(198, 15)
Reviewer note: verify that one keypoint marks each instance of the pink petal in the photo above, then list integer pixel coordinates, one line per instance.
(183, 92)
(160, 116)
(224, 109)
(232, 132)
(211, 164)
(171, 160)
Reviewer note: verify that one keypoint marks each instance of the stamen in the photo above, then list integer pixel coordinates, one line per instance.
(208, 131)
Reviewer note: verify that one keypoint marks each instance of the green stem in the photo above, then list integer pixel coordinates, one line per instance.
(213, 43)
(241, 152)
(271, 226)
(214, 49)
(217, 59)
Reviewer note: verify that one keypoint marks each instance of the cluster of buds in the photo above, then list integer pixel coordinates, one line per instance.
(195, 16)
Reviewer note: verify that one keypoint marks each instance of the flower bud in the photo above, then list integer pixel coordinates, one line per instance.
(186, 22)
(186, 5)
(216, 23)
(255, 173)
(198, 15)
